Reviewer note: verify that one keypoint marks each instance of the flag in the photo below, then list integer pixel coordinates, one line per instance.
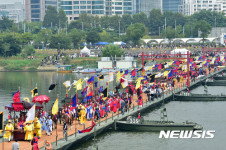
(111, 77)
(126, 72)
(95, 84)
(125, 83)
(105, 92)
(87, 129)
(79, 84)
(143, 72)
(84, 92)
(170, 75)
(55, 107)
(100, 77)
(31, 114)
(16, 97)
(133, 73)
(51, 87)
(67, 84)
(141, 69)
(118, 76)
(34, 92)
(90, 80)
(101, 89)
(152, 78)
(74, 100)
(138, 84)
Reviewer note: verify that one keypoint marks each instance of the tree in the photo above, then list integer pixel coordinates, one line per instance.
(62, 18)
(9, 45)
(51, 17)
(28, 50)
(61, 41)
(92, 37)
(26, 38)
(140, 18)
(111, 51)
(105, 22)
(105, 36)
(76, 36)
(43, 37)
(5, 23)
(155, 21)
(125, 22)
(135, 31)
(114, 22)
(169, 33)
(204, 27)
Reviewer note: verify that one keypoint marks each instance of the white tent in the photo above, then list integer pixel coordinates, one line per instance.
(180, 51)
(85, 50)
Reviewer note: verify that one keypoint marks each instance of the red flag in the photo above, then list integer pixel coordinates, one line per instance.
(133, 73)
(87, 129)
(16, 97)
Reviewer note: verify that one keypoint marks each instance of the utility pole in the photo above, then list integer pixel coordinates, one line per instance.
(175, 27)
(165, 27)
(119, 29)
(82, 26)
(159, 31)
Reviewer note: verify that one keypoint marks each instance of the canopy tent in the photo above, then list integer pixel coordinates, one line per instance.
(85, 50)
(180, 51)
(119, 43)
(40, 99)
(102, 43)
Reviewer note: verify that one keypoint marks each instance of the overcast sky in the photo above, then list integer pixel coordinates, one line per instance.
(10, 1)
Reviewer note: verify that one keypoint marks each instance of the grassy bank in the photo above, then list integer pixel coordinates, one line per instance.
(86, 62)
(19, 64)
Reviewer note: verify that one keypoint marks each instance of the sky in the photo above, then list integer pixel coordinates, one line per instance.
(10, 1)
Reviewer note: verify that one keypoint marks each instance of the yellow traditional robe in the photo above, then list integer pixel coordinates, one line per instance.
(83, 116)
(8, 134)
(38, 127)
(29, 132)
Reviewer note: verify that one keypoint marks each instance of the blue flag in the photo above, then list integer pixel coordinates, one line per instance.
(95, 84)
(74, 100)
(90, 80)
(126, 72)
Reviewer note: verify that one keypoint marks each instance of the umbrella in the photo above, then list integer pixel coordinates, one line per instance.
(40, 99)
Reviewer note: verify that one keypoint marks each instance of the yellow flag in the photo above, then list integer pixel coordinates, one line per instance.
(79, 84)
(118, 76)
(138, 84)
(55, 107)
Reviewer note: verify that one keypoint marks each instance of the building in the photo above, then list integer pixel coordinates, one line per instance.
(15, 11)
(189, 7)
(96, 7)
(146, 6)
(35, 9)
(171, 5)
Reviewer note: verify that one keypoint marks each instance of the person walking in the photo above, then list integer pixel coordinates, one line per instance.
(15, 145)
(65, 130)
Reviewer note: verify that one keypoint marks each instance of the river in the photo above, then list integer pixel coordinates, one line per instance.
(211, 115)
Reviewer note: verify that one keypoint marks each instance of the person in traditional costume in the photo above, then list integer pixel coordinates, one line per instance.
(83, 115)
(28, 129)
(97, 112)
(114, 106)
(140, 101)
(34, 143)
(49, 126)
(9, 129)
(38, 126)
(102, 110)
(89, 113)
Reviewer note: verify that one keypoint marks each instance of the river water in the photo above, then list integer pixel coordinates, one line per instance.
(211, 115)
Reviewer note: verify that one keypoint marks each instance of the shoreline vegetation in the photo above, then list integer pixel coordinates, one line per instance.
(19, 63)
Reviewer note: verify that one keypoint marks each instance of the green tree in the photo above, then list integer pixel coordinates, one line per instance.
(51, 17)
(169, 33)
(28, 51)
(92, 37)
(155, 21)
(62, 18)
(105, 22)
(76, 36)
(61, 41)
(26, 38)
(140, 18)
(135, 31)
(204, 27)
(43, 37)
(114, 22)
(125, 22)
(5, 23)
(111, 51)
(105, 36)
